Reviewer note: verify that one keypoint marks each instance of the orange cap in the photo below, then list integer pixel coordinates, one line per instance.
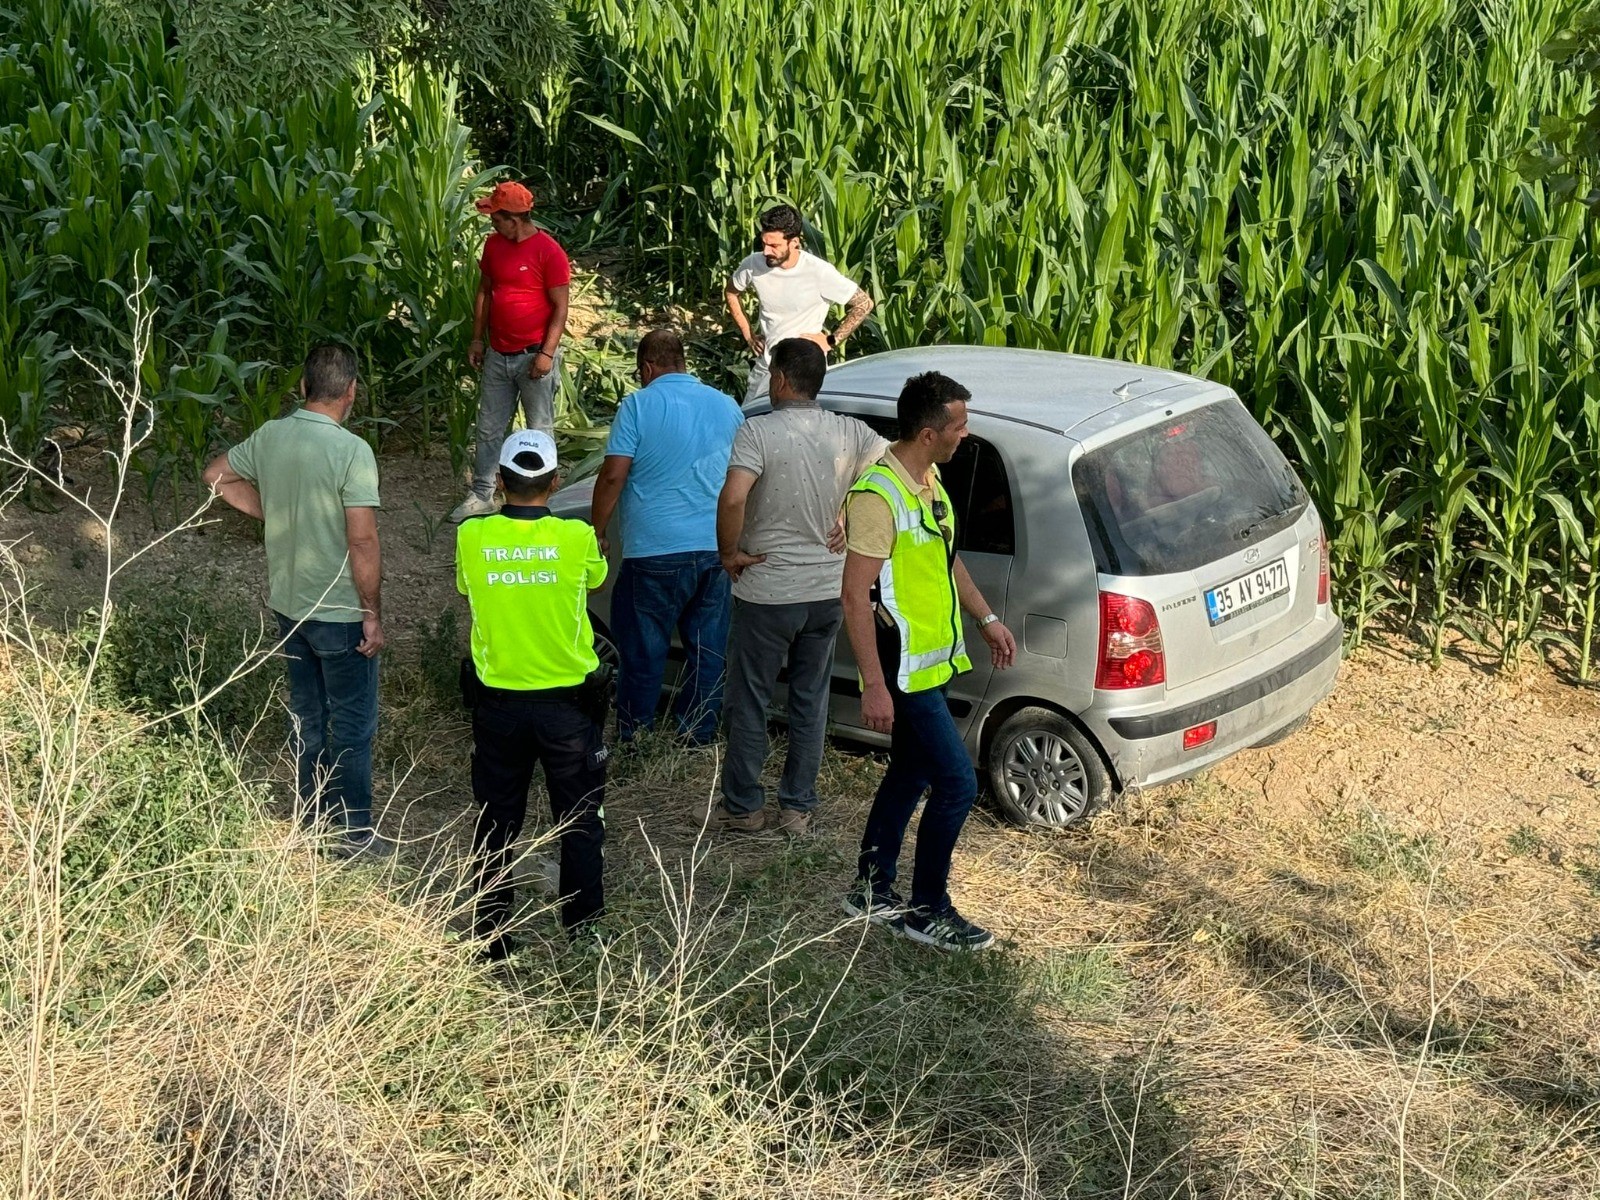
(507, 197)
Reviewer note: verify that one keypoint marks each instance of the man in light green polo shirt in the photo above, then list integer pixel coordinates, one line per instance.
(315, 487)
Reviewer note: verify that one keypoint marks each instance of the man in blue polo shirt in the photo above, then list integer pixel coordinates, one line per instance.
(665, 462)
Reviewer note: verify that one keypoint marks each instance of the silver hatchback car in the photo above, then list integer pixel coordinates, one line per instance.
(1158, 560)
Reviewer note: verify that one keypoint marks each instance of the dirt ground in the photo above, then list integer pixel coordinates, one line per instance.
(1463, 748)
(1467, 755)
(1422, 859)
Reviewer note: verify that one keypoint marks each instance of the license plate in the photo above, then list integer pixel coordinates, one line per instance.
(1247, 591)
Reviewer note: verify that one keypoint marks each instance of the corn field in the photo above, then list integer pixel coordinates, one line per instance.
(1316, 201)
(259, 233)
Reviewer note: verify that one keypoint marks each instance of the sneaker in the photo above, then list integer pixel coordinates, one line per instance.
(886, 908)
(716, 817)
(946, 930)
(792, 822)
(473, 506)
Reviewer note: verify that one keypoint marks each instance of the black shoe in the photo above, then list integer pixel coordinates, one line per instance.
(946, 930)
(884, 908)
(590, 936)
(497, 949)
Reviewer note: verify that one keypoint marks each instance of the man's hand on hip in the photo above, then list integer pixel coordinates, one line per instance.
(734, 564)
(821, 339)
(836, 538)
(371, 637)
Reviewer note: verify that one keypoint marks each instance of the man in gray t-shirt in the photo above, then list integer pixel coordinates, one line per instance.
(787, 478)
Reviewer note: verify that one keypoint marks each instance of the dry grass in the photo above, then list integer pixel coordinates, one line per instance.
(1200, 996)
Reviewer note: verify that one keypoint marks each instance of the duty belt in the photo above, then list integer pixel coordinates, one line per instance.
(570, 692)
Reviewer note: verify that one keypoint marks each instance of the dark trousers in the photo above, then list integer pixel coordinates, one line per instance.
(333, 710)
(654, 595)
(926, 754)
(764, 639)
(510, 735)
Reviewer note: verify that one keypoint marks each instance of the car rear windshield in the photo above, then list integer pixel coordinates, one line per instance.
(1184, 492)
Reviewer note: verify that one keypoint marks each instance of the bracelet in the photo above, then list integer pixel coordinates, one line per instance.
(543, 353)
(985, 622)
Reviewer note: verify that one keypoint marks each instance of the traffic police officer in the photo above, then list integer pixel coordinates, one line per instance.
(535, 686)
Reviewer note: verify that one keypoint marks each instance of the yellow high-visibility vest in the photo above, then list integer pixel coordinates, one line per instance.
(527, 576)
(917, 585)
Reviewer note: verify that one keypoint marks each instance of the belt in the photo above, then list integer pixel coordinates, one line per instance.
(535, 694)
(535, 348)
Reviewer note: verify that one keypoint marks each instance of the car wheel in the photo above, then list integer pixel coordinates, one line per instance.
(1044, 771)
(1287, 732)
(605, 649)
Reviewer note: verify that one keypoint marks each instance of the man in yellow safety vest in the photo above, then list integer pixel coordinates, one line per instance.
(904, 589)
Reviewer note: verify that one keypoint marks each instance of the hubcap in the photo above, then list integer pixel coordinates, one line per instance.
(605, 650)
(1044, 778)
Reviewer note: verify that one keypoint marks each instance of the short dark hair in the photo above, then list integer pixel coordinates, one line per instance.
(522, 485)
(925, 403)
(329, 371)
(663, 348)
(784, 219)
(802, 363)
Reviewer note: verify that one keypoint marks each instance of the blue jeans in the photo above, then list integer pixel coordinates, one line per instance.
(654, 595)
(926, 754)
(333, 710)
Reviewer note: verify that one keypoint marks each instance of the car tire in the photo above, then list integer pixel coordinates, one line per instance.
(1044, 772)
(1283, 735)
(605, 649)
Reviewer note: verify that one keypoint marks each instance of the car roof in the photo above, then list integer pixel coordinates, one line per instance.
(1044, 388)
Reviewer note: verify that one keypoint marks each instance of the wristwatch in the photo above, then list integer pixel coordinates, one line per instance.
(832, 341)
(985, 622)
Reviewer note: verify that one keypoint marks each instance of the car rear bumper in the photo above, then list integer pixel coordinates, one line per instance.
(1146, 748)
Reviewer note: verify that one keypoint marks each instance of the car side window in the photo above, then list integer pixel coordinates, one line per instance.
(885, 427)
(979, 491)
(988, 524)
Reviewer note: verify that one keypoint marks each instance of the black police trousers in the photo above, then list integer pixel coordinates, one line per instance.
(511, 733)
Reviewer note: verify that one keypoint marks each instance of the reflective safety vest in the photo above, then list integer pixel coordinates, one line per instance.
(527, 575)
(917, 586)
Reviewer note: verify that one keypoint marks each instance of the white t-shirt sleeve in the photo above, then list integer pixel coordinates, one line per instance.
(832, 283)
(744, 273)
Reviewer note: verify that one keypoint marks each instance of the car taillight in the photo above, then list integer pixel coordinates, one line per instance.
(1131, 653)
(1322, 566)
(1199, 735)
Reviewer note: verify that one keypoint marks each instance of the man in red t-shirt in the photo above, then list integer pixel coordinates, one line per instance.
(522, 306)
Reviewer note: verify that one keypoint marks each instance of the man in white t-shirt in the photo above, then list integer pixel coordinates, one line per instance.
(788, 475)
(794, 289)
